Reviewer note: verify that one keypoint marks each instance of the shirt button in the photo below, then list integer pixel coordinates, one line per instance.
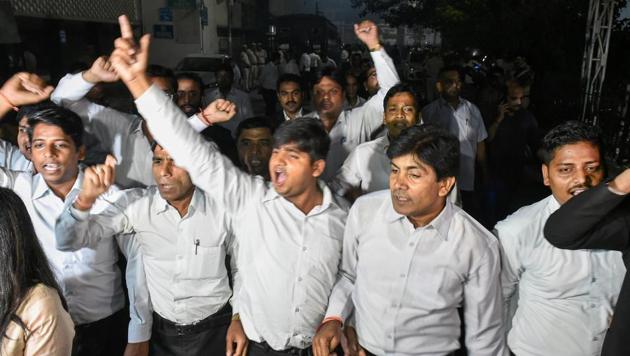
(304, 248)
(389, 336)
(402, 275)
(411, 244)
(299, 279)
(594, 280)
(179, 257)
(593, 305)
(297, 310)
(595, 338)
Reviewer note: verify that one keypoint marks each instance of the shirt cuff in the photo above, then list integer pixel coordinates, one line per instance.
(76, 82)
(138, 332)
(79, 215)
(196, 123)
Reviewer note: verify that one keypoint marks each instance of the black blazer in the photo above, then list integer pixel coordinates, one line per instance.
(599, 219)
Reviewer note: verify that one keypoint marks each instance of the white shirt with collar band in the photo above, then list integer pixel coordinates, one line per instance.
(355, 126)
(278, 248)
(89, 278)
(404, 284)
(465, 123)
(559, 302)
(118, 133)
(12, 158)
(184, 257)
(300, 113)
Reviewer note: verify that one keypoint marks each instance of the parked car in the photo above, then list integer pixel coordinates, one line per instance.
(204, 65)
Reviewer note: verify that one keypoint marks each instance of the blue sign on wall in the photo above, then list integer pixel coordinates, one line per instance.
(163, 31)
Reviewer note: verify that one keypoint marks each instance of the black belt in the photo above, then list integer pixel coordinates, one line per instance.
(290, 351)
(220, 318)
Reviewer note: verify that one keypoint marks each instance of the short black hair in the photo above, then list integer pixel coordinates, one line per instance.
(445, 69)
(190, 76)
(333, 74)
(69, 122)
(568, 133)
(401, 88)
(290, 78)
(432, 145)
(253, 123)
(305, 132)
(29, 110)
(158, 71)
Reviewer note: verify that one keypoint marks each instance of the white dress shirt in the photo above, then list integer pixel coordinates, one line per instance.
(367, 167)
(119, 133)
(564, 299)
(184, 257)
(243, 104)
(300, 113)
(287, 260)
(89, 278)
(405, 284)
(466, 124)
(11, 158)
(355, 126)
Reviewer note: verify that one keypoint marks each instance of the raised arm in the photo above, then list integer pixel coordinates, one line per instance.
(370, 114)
(22, 89)
(209, 170)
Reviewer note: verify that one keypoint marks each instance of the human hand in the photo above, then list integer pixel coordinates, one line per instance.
(96, 181)
(218, 111)
(100, 71)
(327, 338)
(368, 33)
(129, 60)
(137, 349)
(24, 88)
(236, 336)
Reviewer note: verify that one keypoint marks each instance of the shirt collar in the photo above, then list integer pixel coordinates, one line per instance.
(326, 201)
(42, 188)
(443, 103)
(441, 223)
(287, 118)
(197, 203)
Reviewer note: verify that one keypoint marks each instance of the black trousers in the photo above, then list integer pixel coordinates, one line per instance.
(206, 337)
(263, 349)
(105, 337)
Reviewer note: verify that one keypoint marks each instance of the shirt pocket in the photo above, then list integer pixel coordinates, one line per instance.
(205, 262)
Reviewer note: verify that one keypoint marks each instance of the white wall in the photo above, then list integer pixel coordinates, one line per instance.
(168, 52)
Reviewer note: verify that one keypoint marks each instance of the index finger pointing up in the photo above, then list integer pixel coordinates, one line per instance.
(125, 27)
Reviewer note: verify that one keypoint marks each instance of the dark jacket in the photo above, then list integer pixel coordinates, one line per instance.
(599, 219)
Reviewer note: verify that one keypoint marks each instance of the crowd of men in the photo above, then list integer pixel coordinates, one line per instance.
(344, 230)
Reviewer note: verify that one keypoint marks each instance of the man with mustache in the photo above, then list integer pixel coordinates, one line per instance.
(348, 129)
(290, 93)
(254, 139)
(367, 167)
(90, 278)
(183, 254)
(565, 298)
(411, 258)
(287, 232)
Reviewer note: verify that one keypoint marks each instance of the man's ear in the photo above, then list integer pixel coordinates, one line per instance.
(318, 167)
(81, 153)
(446, 184)
(439, 87)
(545, 173)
